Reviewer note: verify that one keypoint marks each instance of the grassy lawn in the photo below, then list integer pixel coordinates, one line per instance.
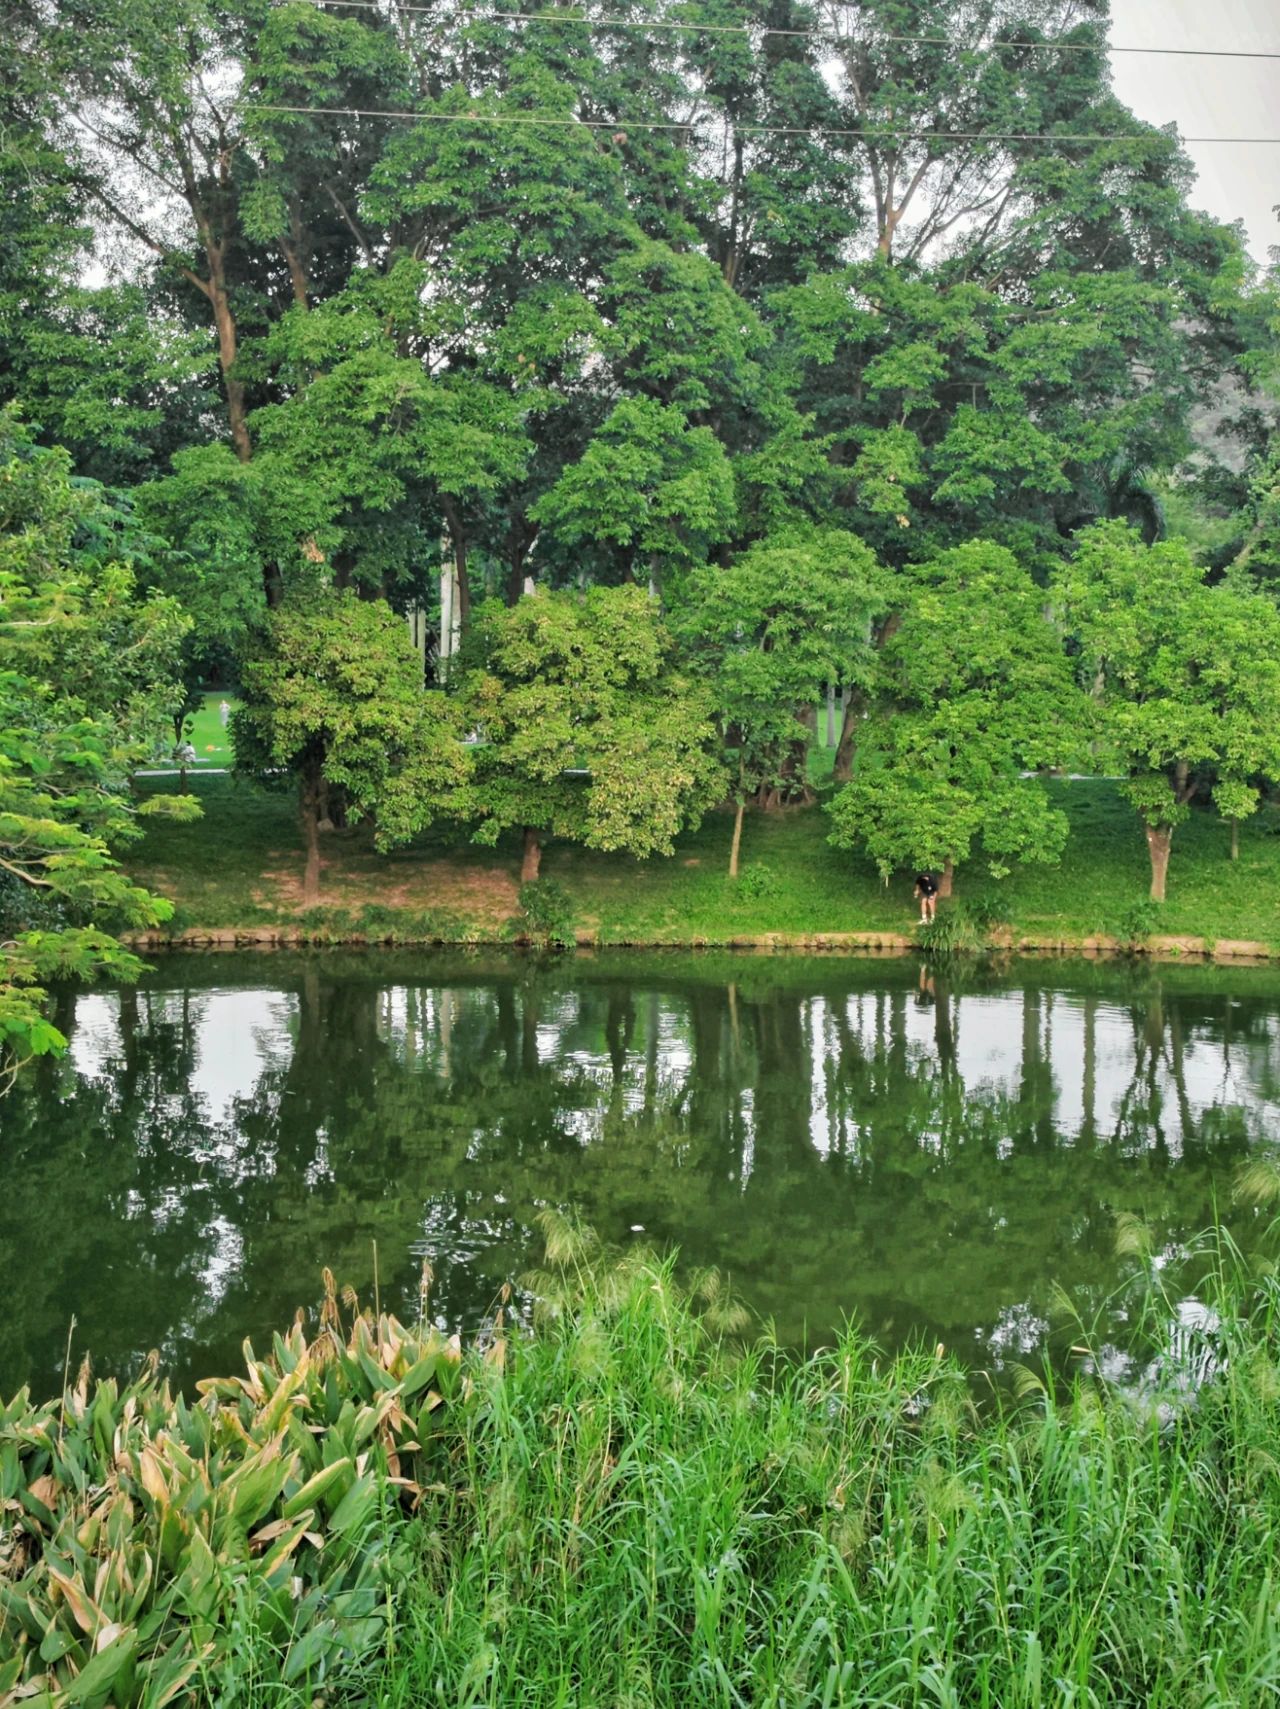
(242, 866)
(210, 738)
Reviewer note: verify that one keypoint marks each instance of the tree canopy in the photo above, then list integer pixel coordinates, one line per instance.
(1188, 676)
(333, 698)
(790, 616)
(585, 729)
(597, 299)
(538, 415)
(974, 697)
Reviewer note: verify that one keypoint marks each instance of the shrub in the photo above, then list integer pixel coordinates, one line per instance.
(1137, 924)
(987, 912)
(950, 932)
(547, 914)
(758, 882)
(155, 1551)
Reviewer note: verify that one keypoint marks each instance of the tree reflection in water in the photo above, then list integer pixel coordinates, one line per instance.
(928, 1149)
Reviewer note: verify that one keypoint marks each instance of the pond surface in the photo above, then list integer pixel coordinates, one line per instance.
(936, 1153)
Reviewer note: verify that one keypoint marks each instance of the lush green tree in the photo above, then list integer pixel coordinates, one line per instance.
(774, 202)
(951, 407)
(941, 91)
(1258, 552)
(333, 700)
(179, 145)
(570, 313)
(373, 446)
(649, 484)
(99, 369)
(789, 616)
(88, 673)
(587, 732)
(1188, 677)
(974, 693)
(219, 514)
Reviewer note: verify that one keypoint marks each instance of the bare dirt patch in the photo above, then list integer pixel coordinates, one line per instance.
(471, 892)
(157, 878)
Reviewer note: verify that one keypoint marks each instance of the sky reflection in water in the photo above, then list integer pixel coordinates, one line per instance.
(932, 1151)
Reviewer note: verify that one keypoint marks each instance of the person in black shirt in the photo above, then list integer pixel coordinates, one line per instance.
(927, 891)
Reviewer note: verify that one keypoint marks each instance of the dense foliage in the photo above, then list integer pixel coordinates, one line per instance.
(88, 669)
(148, 1521)
(586, 732)
(597, 296)
(976, 695)
(534, 417)
(661, 373)
(334, 700)
(1188, 677)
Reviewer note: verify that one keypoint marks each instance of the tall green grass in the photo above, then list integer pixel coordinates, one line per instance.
(645, 1517)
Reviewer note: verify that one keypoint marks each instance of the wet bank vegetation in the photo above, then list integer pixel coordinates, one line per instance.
(623, 1500)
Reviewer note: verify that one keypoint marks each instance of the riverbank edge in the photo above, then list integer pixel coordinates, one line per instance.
(1160, 947)
(336, 1524)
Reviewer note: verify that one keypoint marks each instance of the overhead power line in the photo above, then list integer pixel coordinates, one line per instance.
(828, 36)
(835, 133)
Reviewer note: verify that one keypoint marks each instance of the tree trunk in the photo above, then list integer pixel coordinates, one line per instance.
(448, 583)
(460, 603)
(297, 277)
(416, 617)
(1235, 839)
(311, 834)
(793, 773)
(461, 585)
(225, 323)
(831, 715)
(331, 806)
(855, 705)
(1159, 838)
(842, 769)
(948, 876)
(735, 847)
(522, 537)
(293, 248)
(531, 864)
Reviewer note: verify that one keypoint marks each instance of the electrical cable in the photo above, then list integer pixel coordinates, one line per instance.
(828, 36)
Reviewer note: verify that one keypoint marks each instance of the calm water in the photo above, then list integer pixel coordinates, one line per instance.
(933, 1154)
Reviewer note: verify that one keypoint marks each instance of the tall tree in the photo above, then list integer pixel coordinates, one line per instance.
(1188, 676)
(588, 733)
(333, 699)
(770, 631)
(975, 694)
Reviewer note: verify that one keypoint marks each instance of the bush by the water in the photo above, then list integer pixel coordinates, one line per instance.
(547, 914)
(624, 1507)
(154, 1551)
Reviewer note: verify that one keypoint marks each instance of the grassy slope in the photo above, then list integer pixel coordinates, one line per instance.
(242, 864)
